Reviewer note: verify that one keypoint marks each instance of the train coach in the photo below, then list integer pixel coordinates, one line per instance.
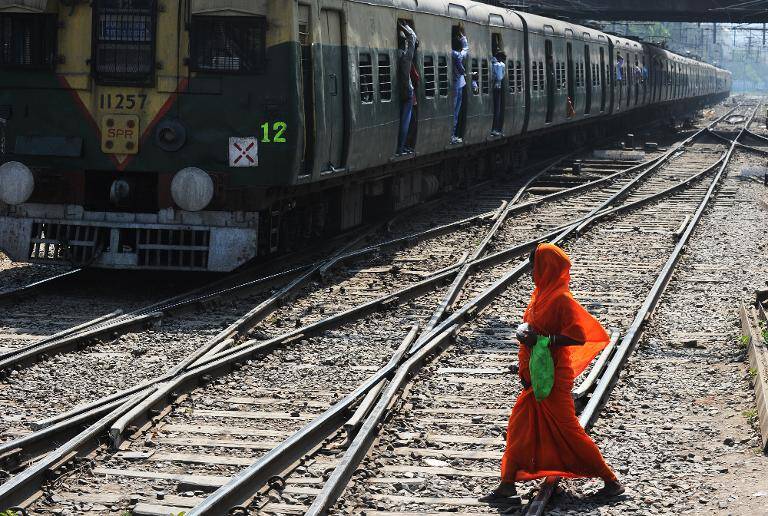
(199, 134)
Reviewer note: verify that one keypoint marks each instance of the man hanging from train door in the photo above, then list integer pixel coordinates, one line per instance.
(459, 54)
(408, 40)
(498, 65)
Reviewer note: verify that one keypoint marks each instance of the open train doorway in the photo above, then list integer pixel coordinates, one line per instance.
(460, 83)
(498, 69)
(603, 80)
(571, 75)
(550, 60)
(308, 89)
(588, 79)
(408, 84)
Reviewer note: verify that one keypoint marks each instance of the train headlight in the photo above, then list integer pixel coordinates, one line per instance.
(192, 189)
(16, 183)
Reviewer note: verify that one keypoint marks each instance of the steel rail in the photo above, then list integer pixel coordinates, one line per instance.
(343, 472)
(74, 415)
(739, 145)
(139, 414)
(217, 362)
(22, 486)
(153, 388)
(69, 339)
(608, 380)
(26, 289)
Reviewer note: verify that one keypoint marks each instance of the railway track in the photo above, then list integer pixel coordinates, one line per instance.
(344, 357)
(353, 284)
(442, 448)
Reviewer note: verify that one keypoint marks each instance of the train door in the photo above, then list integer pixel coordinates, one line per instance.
(620, 78)
(603, 84)
(550, 72)
(629, 76)
(588, 79)
(611, 74)
(571, 75)
(497, 47)
(332, 152)
(307, 84)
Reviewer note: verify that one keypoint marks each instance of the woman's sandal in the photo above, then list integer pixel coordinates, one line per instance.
(612, 491)
(496, 498)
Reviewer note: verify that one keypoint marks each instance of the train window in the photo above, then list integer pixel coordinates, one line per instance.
(486, 77)
(124, 41)
(541, 75)
(442, 75)
(365, 71)
(228, 44)
(512, 82)
(385, 78)
(578, 75)
(429, 77)
(520, 77)
(535, 77)
(475, 76)
(497, 45)
(27, 40)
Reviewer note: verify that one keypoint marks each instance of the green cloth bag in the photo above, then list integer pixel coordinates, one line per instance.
(542, 369)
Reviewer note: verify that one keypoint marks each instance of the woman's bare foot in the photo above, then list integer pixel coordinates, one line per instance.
(611, 489)
(503, 490)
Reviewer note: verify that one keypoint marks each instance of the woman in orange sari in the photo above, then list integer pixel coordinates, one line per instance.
(544, 437)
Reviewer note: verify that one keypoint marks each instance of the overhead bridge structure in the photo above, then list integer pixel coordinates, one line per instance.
(721, 11)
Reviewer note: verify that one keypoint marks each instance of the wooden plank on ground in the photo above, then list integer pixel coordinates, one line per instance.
(276, 401)
(463, 439)
(451, 454)
(438, 471)
(236, 414)
(223, 430)
(469, 411)
(283, 508)
(150, 509)
(204, 482)
(467, 370)
(195, 458)
(218, 443)
(434, 500)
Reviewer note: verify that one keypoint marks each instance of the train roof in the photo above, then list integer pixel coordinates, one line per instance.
(481, 13)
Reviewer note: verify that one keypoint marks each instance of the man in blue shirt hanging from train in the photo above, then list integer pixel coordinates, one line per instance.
(459, 54)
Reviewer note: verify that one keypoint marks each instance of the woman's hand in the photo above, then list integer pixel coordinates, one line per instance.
(526, 335)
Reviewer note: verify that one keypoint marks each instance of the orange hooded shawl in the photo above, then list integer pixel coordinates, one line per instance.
(545, 438)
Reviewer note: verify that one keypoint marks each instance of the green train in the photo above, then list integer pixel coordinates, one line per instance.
(200, 134)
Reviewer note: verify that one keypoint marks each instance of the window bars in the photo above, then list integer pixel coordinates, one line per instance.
(227, 44)
(124, 35)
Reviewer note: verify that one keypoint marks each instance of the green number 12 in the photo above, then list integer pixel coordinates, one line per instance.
(278, 127)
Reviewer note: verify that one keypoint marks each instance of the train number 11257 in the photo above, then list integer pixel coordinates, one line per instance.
(122, 101)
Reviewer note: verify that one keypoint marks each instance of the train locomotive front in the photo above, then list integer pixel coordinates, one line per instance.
(146, 133)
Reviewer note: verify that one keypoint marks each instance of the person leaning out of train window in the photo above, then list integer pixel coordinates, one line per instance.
(619, 68)
(459, 55)
(638, 73)
(499, 69)
(475, 83)
(408, 40)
